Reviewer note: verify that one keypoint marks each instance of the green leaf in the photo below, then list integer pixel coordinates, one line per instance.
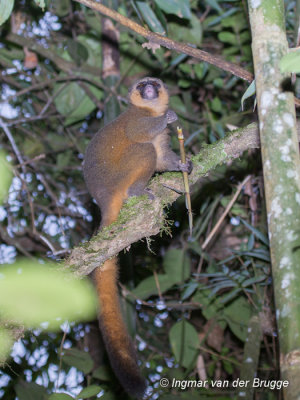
(30, 391)
(6, 177)
(77, 51)
(6, 7)
(184, 342)
(181, 8)
(78, 359)
(32, 293)
(63, 159)
(189, 290)
(290, 62)
(248, 93)
(227, 37)
(200, 69)
(184, 83)
(60, 7)
(93, 20)
(251, 242)
(214, 4)
(237, 314)
(73, 103)
(32, 147)
(176, 264)
(150, 18)
(60, 396)
(216, 104)
(190, 33)
(177, 104)
(89, 391)
(102, 373)
(256, 233)
(148, 286)
(94, 50)
(210, 307)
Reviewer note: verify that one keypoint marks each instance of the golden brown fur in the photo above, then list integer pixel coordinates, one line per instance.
(119, 162)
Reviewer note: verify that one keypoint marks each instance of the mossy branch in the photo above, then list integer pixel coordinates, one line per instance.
(141, 217)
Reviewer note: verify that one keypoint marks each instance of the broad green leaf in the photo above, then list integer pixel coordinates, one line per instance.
(102, 373)
(190, 33)
(176, 265)
(148, 286)
(79, 359)
(94, 50)
(180, 8)
(93, 20)
(89, 391)
(150, 18)
(238, 314)
(290, 62)
(6, 177)
(30, 391)
(184, 342)
(216, 104)
(60, 396)
(6, 7)
(237, 22)
(32, 293)
(227, 37)
(73, 103)
(177, 104)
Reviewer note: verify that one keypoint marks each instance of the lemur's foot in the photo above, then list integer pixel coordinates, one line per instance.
(149, 193)
(186, 167)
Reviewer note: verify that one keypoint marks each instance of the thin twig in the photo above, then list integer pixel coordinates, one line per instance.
(185, 180)
(16, 150)
(226, 211)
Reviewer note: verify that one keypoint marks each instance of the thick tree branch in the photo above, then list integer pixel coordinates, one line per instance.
(141, 217)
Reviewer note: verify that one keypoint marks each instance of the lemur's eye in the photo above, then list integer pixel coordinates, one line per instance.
(140, 85)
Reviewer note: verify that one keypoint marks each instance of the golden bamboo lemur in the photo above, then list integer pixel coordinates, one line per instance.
(119, 161)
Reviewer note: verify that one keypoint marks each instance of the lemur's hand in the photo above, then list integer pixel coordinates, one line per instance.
(171, 116)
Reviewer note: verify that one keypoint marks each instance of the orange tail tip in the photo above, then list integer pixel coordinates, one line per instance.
(119, 346)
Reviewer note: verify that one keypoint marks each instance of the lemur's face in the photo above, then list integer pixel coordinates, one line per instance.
(150, 93)
(149, 88)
